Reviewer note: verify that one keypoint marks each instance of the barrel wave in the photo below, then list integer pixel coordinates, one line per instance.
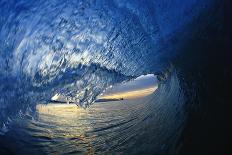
(79, 48)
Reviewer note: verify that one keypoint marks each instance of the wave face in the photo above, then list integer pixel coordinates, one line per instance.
(78, 48)
(148, 125)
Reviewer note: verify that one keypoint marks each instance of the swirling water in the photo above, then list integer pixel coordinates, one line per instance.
(104, 128)
(78, 49)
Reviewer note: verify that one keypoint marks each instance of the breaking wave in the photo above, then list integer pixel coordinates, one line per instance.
(78, 48)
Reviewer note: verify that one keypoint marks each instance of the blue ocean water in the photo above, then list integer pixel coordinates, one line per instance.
(78, 48)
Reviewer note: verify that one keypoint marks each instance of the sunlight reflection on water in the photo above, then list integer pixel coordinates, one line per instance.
(141, 126)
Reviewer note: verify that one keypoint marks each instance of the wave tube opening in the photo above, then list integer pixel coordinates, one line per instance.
(108, 77)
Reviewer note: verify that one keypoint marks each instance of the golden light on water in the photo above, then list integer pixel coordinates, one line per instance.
(59, 109)
(69, 110)
(78, 126)
(68, 121)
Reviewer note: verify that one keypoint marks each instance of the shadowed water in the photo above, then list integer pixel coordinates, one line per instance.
(121, 127)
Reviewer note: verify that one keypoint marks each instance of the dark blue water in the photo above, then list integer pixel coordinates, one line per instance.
(104, 128)
(79, 48)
